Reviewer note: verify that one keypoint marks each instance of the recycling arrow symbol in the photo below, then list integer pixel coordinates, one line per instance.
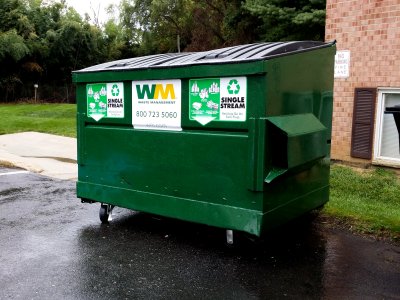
(115, 90)
(233, 87)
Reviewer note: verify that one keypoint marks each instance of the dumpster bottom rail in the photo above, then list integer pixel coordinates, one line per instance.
(212, 214)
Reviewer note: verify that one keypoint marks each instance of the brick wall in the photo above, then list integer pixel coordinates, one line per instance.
(370, 29)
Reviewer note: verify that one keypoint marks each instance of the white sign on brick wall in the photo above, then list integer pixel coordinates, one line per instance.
(342, 64)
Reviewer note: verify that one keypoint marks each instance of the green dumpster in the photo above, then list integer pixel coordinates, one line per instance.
(237, 138)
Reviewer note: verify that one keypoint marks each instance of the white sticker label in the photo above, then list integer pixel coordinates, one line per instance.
(156, 104)
(218, 99)
(115, 100)
(233, 99)
(105, 100)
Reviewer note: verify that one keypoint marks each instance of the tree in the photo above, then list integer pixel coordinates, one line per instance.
(157, 26)
(221, 23)
(12, 46)
(289, 19)
(43, 42)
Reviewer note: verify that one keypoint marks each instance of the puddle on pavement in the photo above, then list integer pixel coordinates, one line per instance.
(67, 253)
(164, 258)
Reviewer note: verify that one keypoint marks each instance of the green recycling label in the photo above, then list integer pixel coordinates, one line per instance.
(105, 100)
(218, 99)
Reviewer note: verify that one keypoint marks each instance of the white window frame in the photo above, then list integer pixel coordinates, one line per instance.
(378, 158)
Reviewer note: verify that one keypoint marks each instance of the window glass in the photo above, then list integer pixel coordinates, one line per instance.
(390, 136)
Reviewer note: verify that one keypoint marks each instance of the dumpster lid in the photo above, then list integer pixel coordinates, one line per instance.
(234, 54)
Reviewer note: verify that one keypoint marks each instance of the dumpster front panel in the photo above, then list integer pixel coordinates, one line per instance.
(176, 168)
(207, 166)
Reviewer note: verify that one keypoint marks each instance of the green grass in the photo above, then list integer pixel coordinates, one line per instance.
(369, 199)
(59, 119)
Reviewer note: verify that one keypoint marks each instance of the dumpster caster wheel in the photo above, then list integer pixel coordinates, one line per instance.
(105, 213)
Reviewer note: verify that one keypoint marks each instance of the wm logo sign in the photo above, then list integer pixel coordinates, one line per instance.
(156, 104)
(155, 91)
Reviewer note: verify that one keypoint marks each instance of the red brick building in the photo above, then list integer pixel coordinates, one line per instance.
(367, 80)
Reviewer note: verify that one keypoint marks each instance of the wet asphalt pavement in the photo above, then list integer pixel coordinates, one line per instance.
(54, 247)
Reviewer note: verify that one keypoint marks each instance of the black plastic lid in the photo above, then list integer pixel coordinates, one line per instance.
(242, 53)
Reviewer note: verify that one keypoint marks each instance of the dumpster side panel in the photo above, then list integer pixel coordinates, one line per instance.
(297, 192)
(296, 86)
(302, 83)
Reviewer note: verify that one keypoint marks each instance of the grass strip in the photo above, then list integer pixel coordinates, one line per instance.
(59, 119)
(369, 200)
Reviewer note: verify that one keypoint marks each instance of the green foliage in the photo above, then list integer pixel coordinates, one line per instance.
(370, 198)
(239, 25)
(12, 45)
(166, 25)
(156, 24)
(43, 41)
(289, 20)
(114, 40)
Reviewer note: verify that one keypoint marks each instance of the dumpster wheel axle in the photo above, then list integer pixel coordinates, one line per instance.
(229, 237)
